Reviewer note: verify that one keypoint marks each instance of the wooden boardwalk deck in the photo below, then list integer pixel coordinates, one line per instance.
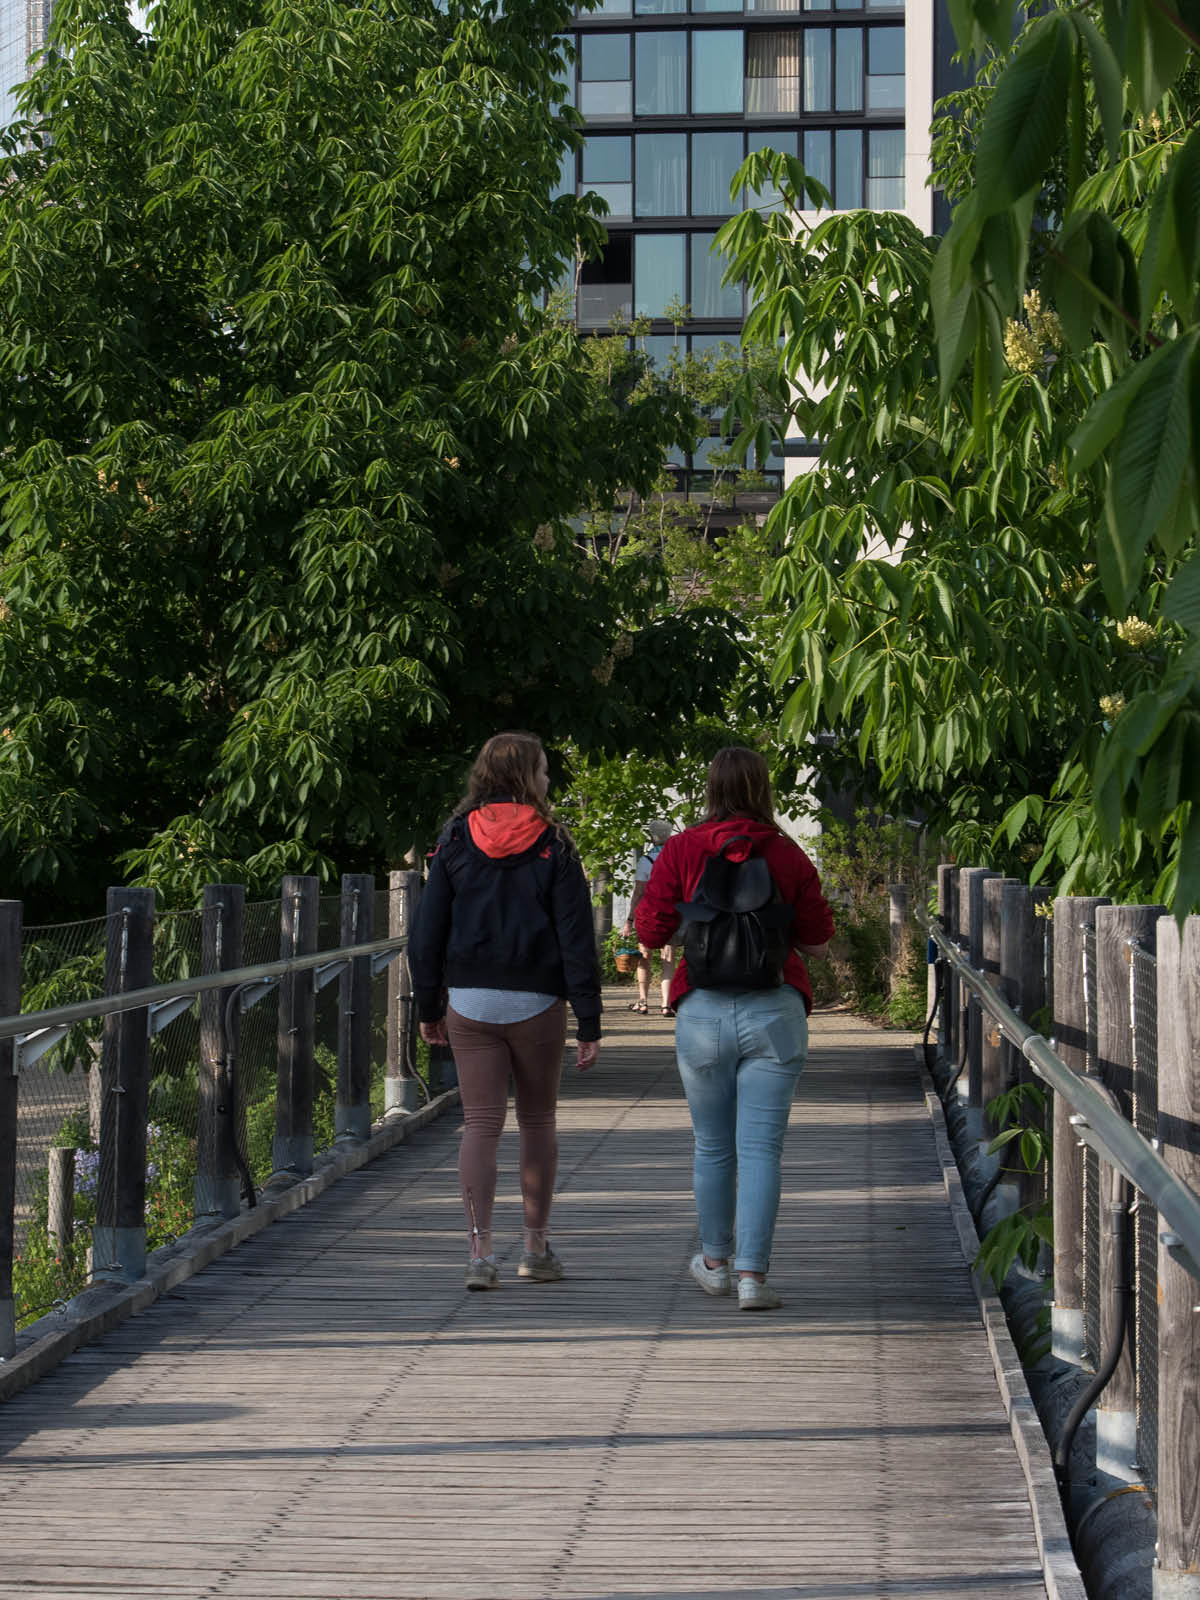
(326, 1414)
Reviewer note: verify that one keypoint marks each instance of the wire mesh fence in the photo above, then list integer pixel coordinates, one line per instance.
(58, 1107)
(65, 1170)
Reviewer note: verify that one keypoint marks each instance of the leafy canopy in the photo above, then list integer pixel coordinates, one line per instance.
(992, 572)
(289, 445)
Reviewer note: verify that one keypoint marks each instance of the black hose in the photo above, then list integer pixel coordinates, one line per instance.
(939, 969)
(1122, 1294)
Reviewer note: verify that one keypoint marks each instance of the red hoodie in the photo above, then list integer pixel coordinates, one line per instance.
(676, 876)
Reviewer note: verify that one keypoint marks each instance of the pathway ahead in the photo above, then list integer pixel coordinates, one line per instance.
(326, 1414)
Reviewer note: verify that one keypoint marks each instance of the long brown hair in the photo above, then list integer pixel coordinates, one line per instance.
(739, 785)
(508, 765)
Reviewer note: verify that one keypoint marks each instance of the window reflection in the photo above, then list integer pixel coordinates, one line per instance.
(709, 298)
(661, 74)
(717, 72)
(605, 89)
(658, 272)
(715, 159)
(661, 175)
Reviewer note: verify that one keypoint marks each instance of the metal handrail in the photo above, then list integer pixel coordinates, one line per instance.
(135, 999)
(1098, 1119)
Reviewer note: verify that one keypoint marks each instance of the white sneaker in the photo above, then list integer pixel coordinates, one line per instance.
(756, 1296)
(713, 1280)
(482, 1274)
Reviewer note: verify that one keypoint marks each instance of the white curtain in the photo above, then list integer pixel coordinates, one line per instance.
(661, 73)
(772, 72)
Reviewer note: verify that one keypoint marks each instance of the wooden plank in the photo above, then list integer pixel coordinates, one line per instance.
(326, 1411)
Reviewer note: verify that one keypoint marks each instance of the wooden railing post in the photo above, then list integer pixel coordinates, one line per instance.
(119, 1238)
(948, 920)
(352, 1108)
(292, 1149)
(218, 1188)
(1073, 915)
(60, 1194)
(1116, 1414)
(1177, 1572)
(400, 1085)
(970, 923)
(1023, 985)
(994, 1065)
(10, 1004)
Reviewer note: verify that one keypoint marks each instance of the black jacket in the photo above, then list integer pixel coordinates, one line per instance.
(513, 921)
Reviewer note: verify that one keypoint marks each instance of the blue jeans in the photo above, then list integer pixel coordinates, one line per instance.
(740, 1054)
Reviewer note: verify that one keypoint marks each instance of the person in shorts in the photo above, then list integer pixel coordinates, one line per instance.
(659, 832)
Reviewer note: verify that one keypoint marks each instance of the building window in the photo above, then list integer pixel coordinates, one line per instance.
(606, 284)
(715, 159)
(885, 169)
(657, 8)
(716, 5)
(661, 74)
(818, 69)
(848, 88)
(709, 297)
(818, 155)
(608, 172)
(566, 176)
(605, 88)
(717, 72)
(773, 72)
(661, 175)
(848, 168)
(885, 69)
(658, 273)
(783, 139)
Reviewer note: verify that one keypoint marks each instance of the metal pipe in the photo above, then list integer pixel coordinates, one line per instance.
(1098, 1120)
(134, 999)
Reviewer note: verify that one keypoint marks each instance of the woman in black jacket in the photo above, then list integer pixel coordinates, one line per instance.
(503, 937)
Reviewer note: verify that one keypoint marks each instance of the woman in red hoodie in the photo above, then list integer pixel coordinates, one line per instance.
(740, 1050)
(502, 939)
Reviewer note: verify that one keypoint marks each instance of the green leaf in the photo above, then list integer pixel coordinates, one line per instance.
(956, 318)
(1107, 82)
(1182, 602)
(1149, 460)
(1023, 126)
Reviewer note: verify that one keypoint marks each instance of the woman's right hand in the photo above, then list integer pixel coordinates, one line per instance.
(588, 1050)
(435, 1032)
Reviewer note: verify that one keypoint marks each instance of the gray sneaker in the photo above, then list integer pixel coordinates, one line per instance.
(482, 1274)
(545, 1268)
(755, 1296)
(713, 1280)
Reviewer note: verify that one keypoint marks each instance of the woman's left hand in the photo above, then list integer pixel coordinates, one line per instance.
(435, 1032)
(588, 1050)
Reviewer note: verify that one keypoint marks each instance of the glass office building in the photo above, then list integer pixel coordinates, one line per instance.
(675, 93)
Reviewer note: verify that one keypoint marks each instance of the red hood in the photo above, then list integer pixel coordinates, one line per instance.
(712, 835)
(505, 827)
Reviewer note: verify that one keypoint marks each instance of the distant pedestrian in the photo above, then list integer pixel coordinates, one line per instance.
(503, 937)
(659, 832)
(740, 1050)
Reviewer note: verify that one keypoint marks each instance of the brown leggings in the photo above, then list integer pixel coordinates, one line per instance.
(486, 1054)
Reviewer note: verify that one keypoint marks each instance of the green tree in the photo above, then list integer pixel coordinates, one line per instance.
(289, 445)
(953, 610)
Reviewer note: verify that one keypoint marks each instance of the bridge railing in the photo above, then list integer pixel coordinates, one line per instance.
(1101, 1004)
(203, 1055)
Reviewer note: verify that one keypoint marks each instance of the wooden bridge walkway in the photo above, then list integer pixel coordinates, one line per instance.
(326, 1414)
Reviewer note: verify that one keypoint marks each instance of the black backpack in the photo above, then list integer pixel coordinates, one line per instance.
(736, 932)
